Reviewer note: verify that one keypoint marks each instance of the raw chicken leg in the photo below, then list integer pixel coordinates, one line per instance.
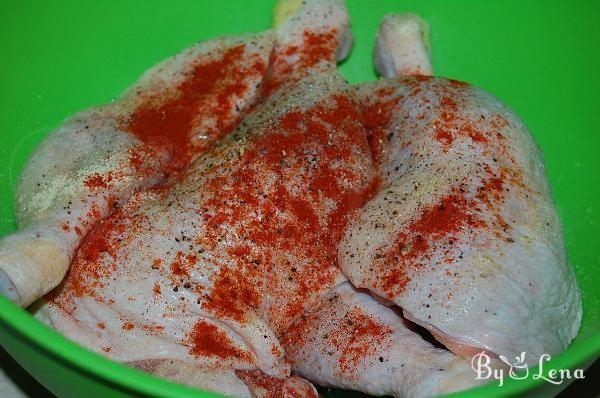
(99, 157)
(209, 271)
(464, 237)
(352, 341)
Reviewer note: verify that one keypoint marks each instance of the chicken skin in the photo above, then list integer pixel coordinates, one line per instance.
(244, 221)
(100, 157)
(351, 340)
(208, 272)
(464, 235)
(417, 130)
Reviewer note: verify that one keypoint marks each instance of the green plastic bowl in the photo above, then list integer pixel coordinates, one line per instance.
(540, 57)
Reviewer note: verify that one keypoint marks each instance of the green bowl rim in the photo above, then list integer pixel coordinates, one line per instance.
(82, 359)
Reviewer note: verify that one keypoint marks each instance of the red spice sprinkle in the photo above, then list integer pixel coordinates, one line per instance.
(449, 102)
(156, 289)
(377, 117)
(401, 255)
(444, 136)
(65, 226)
(490, 194)
(478, 137)
(415, 92)
(183, 263)
(458, 83)
(231, 295)
(316, 47)
(273, 387)
(168, 126)
(98, 181)
(453, 213)
(473, 133)
(495, 186)
(451, 125)
(91, 261)
(98, 243)
(127, 326)
(358, 337)
(136, 160)
(101, 325)
(93, 214)
(422, 78)
(207, 340)
(255, 203)
(153, 328)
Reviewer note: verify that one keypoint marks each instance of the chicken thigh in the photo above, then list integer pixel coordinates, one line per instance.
(99, 157)
(201, 277)
(350, 339)
(464, 235)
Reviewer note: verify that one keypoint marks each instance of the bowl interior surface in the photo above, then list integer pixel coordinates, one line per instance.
(539, 57)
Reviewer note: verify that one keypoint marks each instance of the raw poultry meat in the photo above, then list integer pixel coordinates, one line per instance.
(99, 157)
(464, 235)
(354, 341)
(219, 266)
(209, 271)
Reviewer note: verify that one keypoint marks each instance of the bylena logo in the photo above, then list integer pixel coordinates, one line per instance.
(518, 369)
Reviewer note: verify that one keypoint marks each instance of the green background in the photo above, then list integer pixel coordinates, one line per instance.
(540, 57)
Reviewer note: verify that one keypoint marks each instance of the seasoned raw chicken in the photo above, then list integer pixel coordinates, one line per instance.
(99, 157)
(230, 267)
(352, 341)
(464, 235)
(209, 271)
